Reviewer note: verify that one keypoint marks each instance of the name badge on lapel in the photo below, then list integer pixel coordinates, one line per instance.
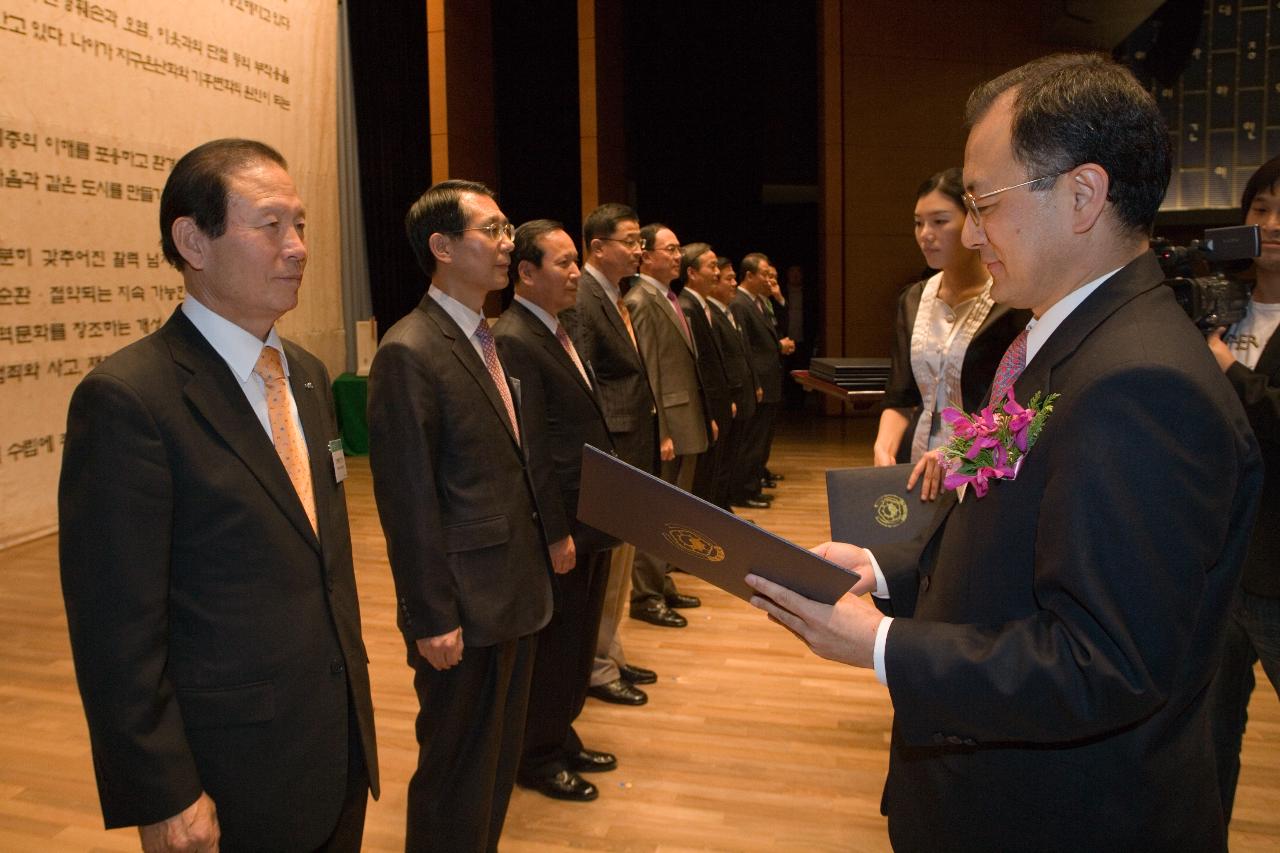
(339, 460)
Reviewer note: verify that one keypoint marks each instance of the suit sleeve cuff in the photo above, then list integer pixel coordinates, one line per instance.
(877, 652)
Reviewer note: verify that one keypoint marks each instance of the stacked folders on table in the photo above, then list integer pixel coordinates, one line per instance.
(852, 374)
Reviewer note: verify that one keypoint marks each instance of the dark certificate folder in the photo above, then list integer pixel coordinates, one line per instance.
(696, 536)
(871, 506)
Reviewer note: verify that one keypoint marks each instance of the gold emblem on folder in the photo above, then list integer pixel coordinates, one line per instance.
(891, 511)
(692, 542)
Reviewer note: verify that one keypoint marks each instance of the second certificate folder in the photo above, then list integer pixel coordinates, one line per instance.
(696, 536)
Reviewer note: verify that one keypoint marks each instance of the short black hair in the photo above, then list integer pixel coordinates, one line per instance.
(649, 234)
(1263, 180)
(603, 221)
(527, 246)
(1071, 109)
(198, 187)
(438, 211)
(724, 264)
(949, 182)
(752, 262)
(689, 254)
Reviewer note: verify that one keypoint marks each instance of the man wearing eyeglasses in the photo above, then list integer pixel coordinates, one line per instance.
(1049, 652)
(684, 430)
(471, 564)
(602, 331)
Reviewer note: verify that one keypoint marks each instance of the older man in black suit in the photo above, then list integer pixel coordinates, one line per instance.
(601, 328)
(206, 558)
(471, 563)
(563, 415)
(1049, 653)
(750, 310)
(700, 271)
(742, 382)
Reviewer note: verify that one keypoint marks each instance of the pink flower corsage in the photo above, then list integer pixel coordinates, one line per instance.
(992, 444)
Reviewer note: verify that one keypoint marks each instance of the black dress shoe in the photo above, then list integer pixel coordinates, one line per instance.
(637, 674)
(618, 692)
(772, 476)
(677, 599)
(766, 483)
(658, 613)
(592, 761)
(565, 785)
(752, 503)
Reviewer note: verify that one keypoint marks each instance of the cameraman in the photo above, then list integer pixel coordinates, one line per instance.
(1249, 355)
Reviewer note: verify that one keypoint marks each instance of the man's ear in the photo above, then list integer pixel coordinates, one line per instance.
(441, 247)
(1089, 184)
(191, 242)
(524, 272)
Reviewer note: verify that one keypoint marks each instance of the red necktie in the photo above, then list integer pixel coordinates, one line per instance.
(285, 434)
(1011, 365)
(490, 350)
(684, 324)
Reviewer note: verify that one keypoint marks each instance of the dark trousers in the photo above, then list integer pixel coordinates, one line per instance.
(1252, 634)
(650, 576)
(562, 668)
(470, 727)
(348, 834)
(708, 476)
(755, 450)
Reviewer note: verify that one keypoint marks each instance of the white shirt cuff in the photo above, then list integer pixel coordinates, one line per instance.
(882, 586)
(877, 653)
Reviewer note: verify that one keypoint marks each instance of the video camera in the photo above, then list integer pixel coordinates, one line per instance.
(1210, 296)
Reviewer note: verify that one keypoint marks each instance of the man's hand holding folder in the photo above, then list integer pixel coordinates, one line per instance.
(844, 631)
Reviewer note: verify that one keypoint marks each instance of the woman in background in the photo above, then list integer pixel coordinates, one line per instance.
(950, 338)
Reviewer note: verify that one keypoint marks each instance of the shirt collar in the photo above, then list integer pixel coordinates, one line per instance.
(239, 348)
(610, 287)
(717, 303)
(696, 295)
(661, 288)
(1039, 330)
(466, 319)
(547, 320)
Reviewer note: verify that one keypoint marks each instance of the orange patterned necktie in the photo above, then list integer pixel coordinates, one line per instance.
(626, 321)
(285, 433)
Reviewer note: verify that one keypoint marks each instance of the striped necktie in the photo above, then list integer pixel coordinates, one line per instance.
(285, 434)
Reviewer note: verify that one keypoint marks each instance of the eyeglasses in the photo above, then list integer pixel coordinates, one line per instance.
(495, 230)
(971, 200)
(673, 249)
(631, 243)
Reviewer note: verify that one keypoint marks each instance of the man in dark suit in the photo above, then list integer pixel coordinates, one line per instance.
(207, 574)
(700, 272)
(470, 561)
(563, 415)
(1249, 355)
(601, 329)
(1049, 653)
(742, 380)
(750, 309)
(670, 360)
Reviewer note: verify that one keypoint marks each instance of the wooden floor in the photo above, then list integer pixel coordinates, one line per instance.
(748, 743)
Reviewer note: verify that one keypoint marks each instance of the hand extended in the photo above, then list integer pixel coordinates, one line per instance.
(564, 555)
(192, 830)
(443, 651)
(929, 472)
(667, 450)
(1218, 347)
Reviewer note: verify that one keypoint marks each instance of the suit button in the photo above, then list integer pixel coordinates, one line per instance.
(336, 666)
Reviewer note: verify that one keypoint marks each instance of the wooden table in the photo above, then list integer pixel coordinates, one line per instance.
(860, 401)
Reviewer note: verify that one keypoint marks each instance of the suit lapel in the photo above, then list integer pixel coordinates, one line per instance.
(596, 289)
(214, 392)
(1137, 277)
(466, 354)
(548, 342)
